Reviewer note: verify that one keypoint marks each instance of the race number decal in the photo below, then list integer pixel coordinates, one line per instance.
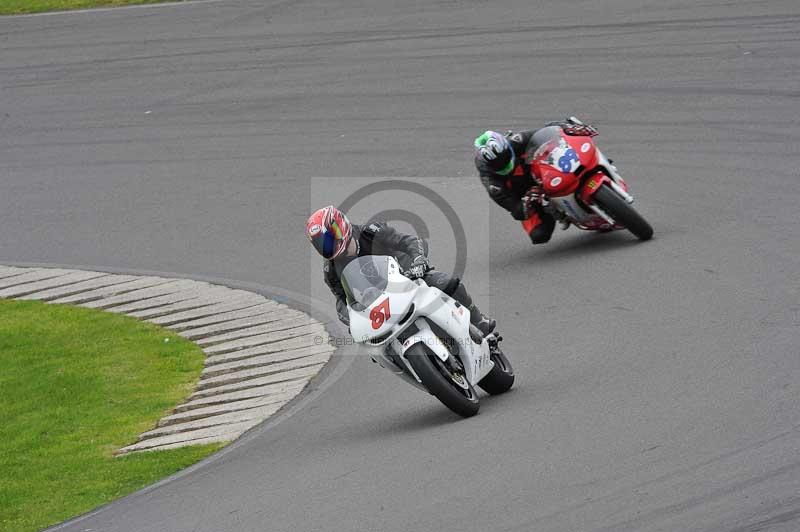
(565, 158)
(380, 314)
(565, 162)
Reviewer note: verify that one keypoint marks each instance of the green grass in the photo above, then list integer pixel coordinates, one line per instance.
(75, 385)
(18, 7)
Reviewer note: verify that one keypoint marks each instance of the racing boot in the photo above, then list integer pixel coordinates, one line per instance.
(542, 232)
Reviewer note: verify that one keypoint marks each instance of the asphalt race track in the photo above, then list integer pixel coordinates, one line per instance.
(658, 383)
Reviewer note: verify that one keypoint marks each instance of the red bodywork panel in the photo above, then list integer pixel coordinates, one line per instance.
(592, 186)
(560, 163)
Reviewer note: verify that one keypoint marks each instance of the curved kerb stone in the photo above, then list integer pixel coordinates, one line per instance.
(259, 354)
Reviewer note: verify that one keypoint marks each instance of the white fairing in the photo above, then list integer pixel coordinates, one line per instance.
(400, 293)
(378, 330)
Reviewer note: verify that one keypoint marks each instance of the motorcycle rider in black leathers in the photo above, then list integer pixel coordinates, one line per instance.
(503, 163)
(339, 242)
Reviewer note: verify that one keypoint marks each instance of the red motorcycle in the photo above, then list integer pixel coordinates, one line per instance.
(582, 187)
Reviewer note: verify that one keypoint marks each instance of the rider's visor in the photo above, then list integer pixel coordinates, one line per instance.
(325, 243)
(509, 167)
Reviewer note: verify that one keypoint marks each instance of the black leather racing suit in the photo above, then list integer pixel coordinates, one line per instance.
(508, 190)
(382, 239)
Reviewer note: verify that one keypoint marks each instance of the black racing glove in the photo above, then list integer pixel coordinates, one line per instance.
(573, 126)
(533, 198)
(418, 268)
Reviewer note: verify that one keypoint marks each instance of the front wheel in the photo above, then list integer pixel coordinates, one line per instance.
(501, 378)
(451, 388)
(623, 213)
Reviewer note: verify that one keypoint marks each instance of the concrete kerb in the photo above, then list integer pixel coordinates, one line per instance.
(300, 391)
(327, 376)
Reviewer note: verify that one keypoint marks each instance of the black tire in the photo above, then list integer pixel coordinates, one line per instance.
(463, 402)
(501, 378)
(623, 213)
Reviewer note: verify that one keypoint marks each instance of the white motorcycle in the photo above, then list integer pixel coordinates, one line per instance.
(422, 335)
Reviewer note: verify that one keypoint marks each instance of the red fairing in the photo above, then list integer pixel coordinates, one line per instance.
(572, 172)
(559, 163)
(586, 150)
(593, 185)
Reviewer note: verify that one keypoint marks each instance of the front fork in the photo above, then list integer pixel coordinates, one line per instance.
(494, 340)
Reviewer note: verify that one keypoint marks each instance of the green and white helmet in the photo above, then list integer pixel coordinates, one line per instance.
(495, 150)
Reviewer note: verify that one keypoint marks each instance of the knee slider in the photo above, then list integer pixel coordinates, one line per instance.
(541, 234)
(540, 238)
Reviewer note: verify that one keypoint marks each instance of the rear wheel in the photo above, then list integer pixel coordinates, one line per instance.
(448, 384)
(623, 213)
(501, 378)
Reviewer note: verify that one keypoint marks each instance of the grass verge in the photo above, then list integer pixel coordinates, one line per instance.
(20, 7)
(75, 385)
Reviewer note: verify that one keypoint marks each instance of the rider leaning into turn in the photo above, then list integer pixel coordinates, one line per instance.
(339, 242)
(503, 165)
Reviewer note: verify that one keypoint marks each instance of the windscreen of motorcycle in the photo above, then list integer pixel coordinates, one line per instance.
(554, 164)
(365, 278)
(558, 162)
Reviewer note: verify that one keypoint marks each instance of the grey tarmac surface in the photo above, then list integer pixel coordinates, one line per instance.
(658, 383)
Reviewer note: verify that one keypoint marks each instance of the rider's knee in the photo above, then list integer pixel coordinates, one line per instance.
(543, 231)
(458, 291)
(451, 285)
